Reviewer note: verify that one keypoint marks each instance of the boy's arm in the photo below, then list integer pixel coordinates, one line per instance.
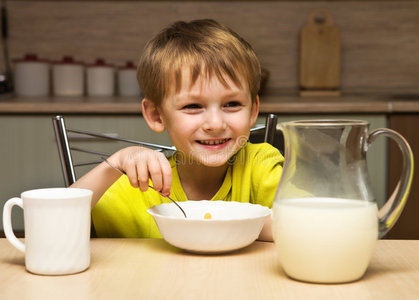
(266, 233)
(138, 163)
(269, 170)
(98, 180)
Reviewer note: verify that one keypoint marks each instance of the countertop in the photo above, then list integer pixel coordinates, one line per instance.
(152, 269)
(280, 105)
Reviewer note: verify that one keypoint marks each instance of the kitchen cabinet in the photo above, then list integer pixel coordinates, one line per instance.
(30, 159)
(407, 227)
(29, 156)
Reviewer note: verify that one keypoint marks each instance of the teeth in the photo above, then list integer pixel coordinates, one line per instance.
(214, 142)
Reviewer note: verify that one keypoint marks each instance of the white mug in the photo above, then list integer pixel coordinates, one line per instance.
(57, 229)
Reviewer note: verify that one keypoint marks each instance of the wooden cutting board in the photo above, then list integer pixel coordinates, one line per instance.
(319, 55)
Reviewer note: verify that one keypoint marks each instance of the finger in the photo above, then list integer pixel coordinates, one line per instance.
(131, 171)
(143, 174)
(155, 173)
(166, 170)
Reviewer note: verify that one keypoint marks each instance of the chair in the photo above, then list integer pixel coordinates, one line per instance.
(265, 133)
(268, 133)
(66, 147)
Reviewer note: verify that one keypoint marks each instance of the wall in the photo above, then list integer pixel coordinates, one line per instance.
(380, 39)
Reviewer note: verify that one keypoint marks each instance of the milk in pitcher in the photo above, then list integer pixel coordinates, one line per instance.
(325, 239)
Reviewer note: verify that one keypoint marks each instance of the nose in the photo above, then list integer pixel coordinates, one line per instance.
(214, 121)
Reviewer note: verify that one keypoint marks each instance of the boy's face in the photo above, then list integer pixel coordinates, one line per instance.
(209, 122)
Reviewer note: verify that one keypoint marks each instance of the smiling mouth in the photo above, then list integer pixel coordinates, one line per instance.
(214, 142)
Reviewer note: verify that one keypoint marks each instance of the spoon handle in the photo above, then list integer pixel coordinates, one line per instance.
(122, 172)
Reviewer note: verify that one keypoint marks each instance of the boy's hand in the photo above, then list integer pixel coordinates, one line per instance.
(141, 164)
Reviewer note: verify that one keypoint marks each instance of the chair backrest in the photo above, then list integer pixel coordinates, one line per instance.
(65, 146)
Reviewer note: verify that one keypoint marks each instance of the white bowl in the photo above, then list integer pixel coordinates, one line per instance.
(233, 225)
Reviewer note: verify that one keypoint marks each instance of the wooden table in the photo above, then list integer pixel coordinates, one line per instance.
(152, 269)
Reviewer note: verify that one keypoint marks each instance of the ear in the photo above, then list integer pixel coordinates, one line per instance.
(254, 111)
(152, 115)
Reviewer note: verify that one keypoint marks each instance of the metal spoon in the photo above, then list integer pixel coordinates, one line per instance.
(122, 172)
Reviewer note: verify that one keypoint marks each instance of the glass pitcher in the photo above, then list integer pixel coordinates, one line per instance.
(325, 219)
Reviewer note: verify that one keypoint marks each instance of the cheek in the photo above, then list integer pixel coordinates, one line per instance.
(241, 123)
(184, 125)
(180, 129)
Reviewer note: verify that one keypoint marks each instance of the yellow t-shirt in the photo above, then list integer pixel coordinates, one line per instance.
(252, 177)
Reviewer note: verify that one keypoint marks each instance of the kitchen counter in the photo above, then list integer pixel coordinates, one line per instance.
(282, 105)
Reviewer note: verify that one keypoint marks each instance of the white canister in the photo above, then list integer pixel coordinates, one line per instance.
(68, 77)
(100, 79)
(31, 76)
(127, 80)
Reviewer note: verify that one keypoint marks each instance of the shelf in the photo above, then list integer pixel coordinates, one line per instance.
(214, 0)
(271, 104)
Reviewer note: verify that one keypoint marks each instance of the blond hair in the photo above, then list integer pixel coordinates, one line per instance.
(207, 48)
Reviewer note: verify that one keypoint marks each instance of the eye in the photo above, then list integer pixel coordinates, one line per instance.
(233, 104)
(192, 106)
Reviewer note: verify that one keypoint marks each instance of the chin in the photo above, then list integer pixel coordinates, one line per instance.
(214, 164)
(218, 161)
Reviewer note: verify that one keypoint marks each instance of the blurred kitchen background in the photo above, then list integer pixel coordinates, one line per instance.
(379, 61)
(380, 39)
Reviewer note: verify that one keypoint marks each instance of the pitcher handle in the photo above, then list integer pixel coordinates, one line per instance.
(393, 207)
(7, 223)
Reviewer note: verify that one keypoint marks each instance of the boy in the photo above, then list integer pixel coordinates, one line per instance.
(200, 81)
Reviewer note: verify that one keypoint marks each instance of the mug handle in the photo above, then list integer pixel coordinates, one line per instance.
(391, 210)
(7, 223)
